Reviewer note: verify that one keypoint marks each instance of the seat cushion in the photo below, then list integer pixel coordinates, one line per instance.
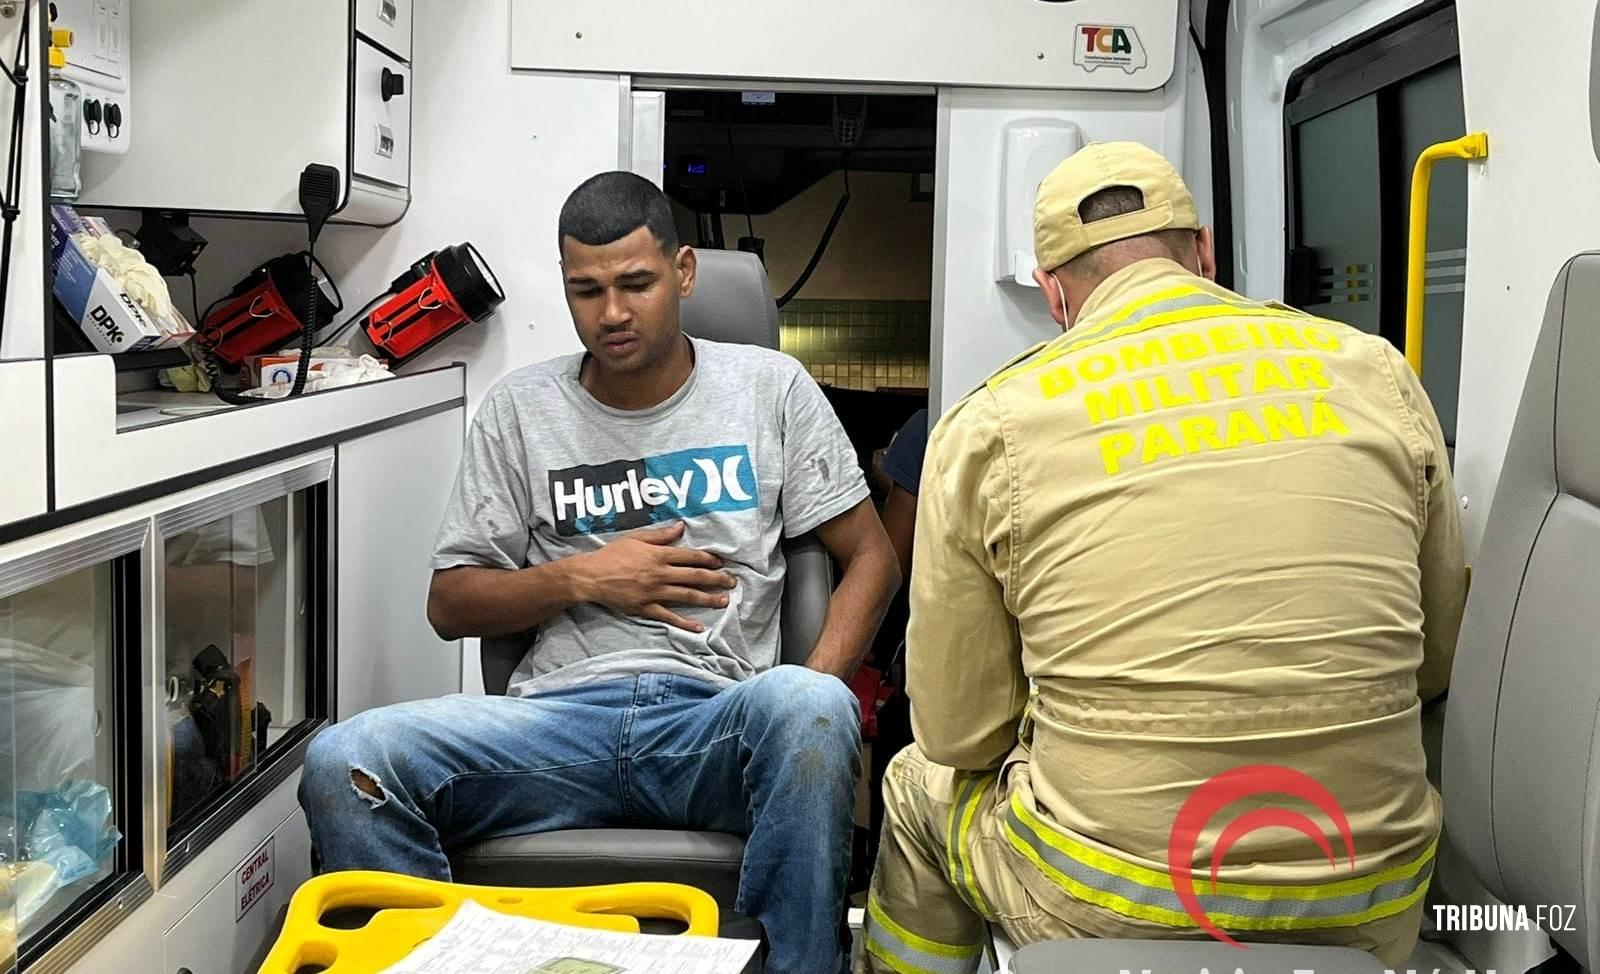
(597, 857)
(1187, 957)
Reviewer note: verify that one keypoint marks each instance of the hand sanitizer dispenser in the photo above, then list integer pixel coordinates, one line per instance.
(1033, 147)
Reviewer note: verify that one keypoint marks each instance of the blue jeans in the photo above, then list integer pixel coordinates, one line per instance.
(774, 758)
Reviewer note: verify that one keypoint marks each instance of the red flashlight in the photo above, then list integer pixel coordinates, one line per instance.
(439, 293)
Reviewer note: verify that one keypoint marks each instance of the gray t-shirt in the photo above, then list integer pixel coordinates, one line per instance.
(746, 453)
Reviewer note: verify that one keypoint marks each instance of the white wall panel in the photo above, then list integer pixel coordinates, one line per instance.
(1002, 43)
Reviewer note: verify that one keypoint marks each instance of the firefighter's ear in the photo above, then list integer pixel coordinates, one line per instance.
(1205, 246)
(1054, 296)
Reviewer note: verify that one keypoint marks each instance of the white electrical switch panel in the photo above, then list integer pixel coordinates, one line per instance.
(98, 61)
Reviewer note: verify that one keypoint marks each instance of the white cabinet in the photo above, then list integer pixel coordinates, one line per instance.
(236, 99)
(393, 488)
(22, 432)
(386, 23)
(382, 117)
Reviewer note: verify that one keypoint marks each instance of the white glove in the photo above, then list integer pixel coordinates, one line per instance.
(142, 282)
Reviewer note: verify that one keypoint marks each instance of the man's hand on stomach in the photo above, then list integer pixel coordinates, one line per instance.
(642, 573)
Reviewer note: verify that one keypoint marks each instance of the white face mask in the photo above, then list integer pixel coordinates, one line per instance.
(1065, 310)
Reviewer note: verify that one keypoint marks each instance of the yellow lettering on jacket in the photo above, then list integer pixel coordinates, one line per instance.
(1242, 427)
(1325, 420)
(1284, 421)
(1282, 336)
(1268, 377)
(1225, 339)
(1307, 372)
(1057, 382)
(1238, 429)
(1144, 355)
(1108, 403)
(1159, 442)
(1097, 368)
(1321, 338)
(1187, 347)
(1114, 448)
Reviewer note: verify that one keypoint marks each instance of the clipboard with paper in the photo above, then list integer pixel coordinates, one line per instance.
(425, 927)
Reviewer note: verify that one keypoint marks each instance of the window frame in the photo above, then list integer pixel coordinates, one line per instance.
(101, 907)
(167, 853)
(1374, 62)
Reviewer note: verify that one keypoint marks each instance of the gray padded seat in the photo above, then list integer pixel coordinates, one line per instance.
(1522, 730)
(732, 302)
(1521, 775)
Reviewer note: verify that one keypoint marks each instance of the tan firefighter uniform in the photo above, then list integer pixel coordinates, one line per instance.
(1211, 533)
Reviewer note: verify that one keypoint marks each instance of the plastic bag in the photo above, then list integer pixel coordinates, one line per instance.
(69, 828)
(61, 837)
(51, 711)
(331, 374)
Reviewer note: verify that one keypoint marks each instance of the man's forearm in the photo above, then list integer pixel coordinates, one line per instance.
(471, 601)
(855, 611)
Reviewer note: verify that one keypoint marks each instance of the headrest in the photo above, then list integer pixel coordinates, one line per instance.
(732, 300)
(1577, 393)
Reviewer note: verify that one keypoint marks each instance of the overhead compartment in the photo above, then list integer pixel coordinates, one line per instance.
(1112, 45)
(236, 100)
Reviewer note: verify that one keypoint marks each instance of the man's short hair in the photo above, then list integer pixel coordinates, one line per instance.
(1115, 201)
(608, 207)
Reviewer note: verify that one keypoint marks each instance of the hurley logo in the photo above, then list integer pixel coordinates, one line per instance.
(627, 494)
(1222, 790)
(1108, 45)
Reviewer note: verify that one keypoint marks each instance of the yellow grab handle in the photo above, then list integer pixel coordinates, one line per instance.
(413, 910)
(1474, 146)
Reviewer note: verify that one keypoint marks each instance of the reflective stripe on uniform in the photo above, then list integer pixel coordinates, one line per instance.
(968, 797)
(1136, 891)
(1158, 301)
(1173, 306)
(905, 952)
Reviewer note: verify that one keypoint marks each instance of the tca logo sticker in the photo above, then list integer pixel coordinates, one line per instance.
(1099, 46)
(1230, 786)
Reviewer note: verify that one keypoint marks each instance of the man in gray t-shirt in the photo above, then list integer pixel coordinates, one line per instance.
(629, 504)
(746, 452)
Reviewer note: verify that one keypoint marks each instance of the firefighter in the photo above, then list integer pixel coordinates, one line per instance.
(1218, 541)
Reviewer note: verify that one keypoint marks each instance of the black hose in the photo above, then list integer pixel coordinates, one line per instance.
(822, 246)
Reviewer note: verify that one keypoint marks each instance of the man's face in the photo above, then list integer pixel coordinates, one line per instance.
(624, 298)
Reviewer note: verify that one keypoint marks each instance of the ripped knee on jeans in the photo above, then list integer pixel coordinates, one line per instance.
(367, 786)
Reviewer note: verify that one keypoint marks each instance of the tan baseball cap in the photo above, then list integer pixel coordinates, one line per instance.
(1060, 235)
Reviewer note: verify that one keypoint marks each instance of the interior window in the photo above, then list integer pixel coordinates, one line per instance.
(63, 832)
(1357, 119)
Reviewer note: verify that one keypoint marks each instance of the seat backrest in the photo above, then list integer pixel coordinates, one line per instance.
(732, 302)
(1521, 779)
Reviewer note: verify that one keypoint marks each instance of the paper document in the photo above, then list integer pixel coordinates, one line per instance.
(477, 940)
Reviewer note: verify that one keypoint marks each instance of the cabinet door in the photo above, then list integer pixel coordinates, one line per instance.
(393, 487)
(383, 117)
(386, 23)
(68, 736)
(241, 660)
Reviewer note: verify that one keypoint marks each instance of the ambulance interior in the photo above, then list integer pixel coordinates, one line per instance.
(191, 587)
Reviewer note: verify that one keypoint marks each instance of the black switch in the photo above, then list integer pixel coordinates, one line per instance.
(393, 84)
